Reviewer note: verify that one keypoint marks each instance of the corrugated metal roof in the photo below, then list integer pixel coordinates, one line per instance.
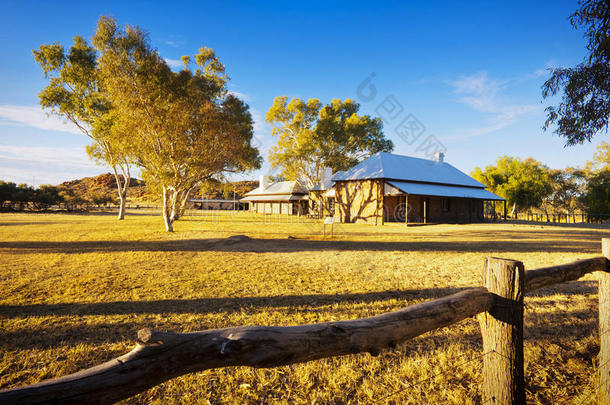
(281, 187)
(397, 167)
(211, 201)
(276, 197)
(444, 191)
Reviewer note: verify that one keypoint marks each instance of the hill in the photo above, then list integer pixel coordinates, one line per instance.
(224, 191)
(104, 184)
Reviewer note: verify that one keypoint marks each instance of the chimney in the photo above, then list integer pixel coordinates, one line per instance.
(439, 157)
(263, 182)
(327, 174)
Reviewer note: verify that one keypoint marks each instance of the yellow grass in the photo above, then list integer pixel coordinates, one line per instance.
(74, 289)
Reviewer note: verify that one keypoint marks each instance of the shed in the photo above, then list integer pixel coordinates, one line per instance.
(284, 197)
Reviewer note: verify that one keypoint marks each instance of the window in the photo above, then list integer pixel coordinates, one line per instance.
(445, 205)
(331, 206)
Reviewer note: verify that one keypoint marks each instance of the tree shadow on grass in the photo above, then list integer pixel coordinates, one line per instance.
(570, 243)
(306, 302)
(570, 288)
(556, 327)
(27, 223)
(576, 323)
(215, 305)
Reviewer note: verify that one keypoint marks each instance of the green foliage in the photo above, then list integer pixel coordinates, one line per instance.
(568, 187)
(523, 183)
(7, 190)
(312, 136)
(601, 158)
(74, 92)
(227, 191)
(597, 196)
(19, 197)
(184, 127)
(584, 109)
(46, 196)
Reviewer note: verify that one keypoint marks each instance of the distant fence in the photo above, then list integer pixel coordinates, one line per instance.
(220, 216)
(567, 218)
(160, 356)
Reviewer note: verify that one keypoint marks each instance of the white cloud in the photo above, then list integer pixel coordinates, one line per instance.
(49, 165)
(74, 157)
(239, 95)
(259, 121)
(34, 116)
(262, 135)
(175, 44)
(484, 94)
(174, 63)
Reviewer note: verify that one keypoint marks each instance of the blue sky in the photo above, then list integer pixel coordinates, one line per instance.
(468, 75)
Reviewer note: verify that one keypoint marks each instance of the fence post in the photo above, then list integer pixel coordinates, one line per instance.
(604, 329)
(502, 330)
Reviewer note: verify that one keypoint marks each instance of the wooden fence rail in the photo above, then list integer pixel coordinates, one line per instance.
(161, 356)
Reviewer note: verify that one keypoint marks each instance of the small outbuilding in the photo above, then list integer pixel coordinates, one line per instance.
(284, 197)
(394, 188)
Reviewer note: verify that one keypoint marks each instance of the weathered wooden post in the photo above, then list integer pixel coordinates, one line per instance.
(604, 329)
(502, 330)
(426, 211)
(406, 209)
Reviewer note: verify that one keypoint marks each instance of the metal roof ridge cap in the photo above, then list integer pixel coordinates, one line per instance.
(434, 183)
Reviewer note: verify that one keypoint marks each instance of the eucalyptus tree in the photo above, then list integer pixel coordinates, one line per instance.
(184, 126)
(568, 187)
(525, 184)
(312, 136)
(584, 109)
(74, 93)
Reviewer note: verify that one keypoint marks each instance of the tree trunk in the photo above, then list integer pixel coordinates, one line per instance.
(513, 212)
(122, 201)
(167, 219)
(122, 189)
(175, 214)
(183, 202)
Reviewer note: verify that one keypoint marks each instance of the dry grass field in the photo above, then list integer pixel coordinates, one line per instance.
(74, 289)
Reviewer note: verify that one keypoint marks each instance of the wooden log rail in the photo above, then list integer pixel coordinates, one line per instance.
(161, 356)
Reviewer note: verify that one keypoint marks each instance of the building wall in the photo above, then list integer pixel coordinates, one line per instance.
(460, 210)
(275, 207)
(217, 205)
(359, 201)
(316, 203)
(321, 206)
(457, 210)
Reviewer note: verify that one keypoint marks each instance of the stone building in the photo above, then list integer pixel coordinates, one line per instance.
(395, 188)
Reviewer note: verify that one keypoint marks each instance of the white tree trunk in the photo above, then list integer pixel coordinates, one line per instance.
(173, 206)
(183, 202)
(167, 219)
(122, 202)
(122, 189)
